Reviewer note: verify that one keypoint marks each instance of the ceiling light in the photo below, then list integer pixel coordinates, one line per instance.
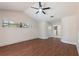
(40, 10)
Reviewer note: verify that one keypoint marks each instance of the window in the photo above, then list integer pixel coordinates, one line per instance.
(9, 23)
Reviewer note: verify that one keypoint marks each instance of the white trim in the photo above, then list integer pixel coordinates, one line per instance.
(64, 41)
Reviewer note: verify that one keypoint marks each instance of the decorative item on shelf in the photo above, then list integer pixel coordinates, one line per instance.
(26, 25)
(21, 25)
(5, 23)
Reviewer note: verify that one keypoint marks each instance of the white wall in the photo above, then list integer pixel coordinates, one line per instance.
(69, 30)
(43, 30)
(14, 35)
(50, 29)
(77, 12)
(78, 40)
(78, 35)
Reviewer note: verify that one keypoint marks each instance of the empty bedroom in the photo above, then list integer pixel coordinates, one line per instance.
(39, 28)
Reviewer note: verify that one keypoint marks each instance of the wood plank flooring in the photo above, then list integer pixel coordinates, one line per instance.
(39, 47)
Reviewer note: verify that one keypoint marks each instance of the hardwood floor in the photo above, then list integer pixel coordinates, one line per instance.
(39, 47)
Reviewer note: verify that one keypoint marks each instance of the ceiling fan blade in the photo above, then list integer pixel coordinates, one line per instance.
(40, 4)
(46, 8)
(34, 7)
(37, 12)
(43, 12)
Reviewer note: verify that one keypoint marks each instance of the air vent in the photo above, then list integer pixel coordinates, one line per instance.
(51, 16)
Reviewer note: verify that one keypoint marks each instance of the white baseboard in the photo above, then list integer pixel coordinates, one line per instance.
(64, 41)
(43, 37)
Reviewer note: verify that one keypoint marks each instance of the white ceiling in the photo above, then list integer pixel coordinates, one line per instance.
(58, 9)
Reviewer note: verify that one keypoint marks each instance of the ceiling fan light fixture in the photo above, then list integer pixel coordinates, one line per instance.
(40, 10)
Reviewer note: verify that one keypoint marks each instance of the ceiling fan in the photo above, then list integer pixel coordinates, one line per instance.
(40, 9)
